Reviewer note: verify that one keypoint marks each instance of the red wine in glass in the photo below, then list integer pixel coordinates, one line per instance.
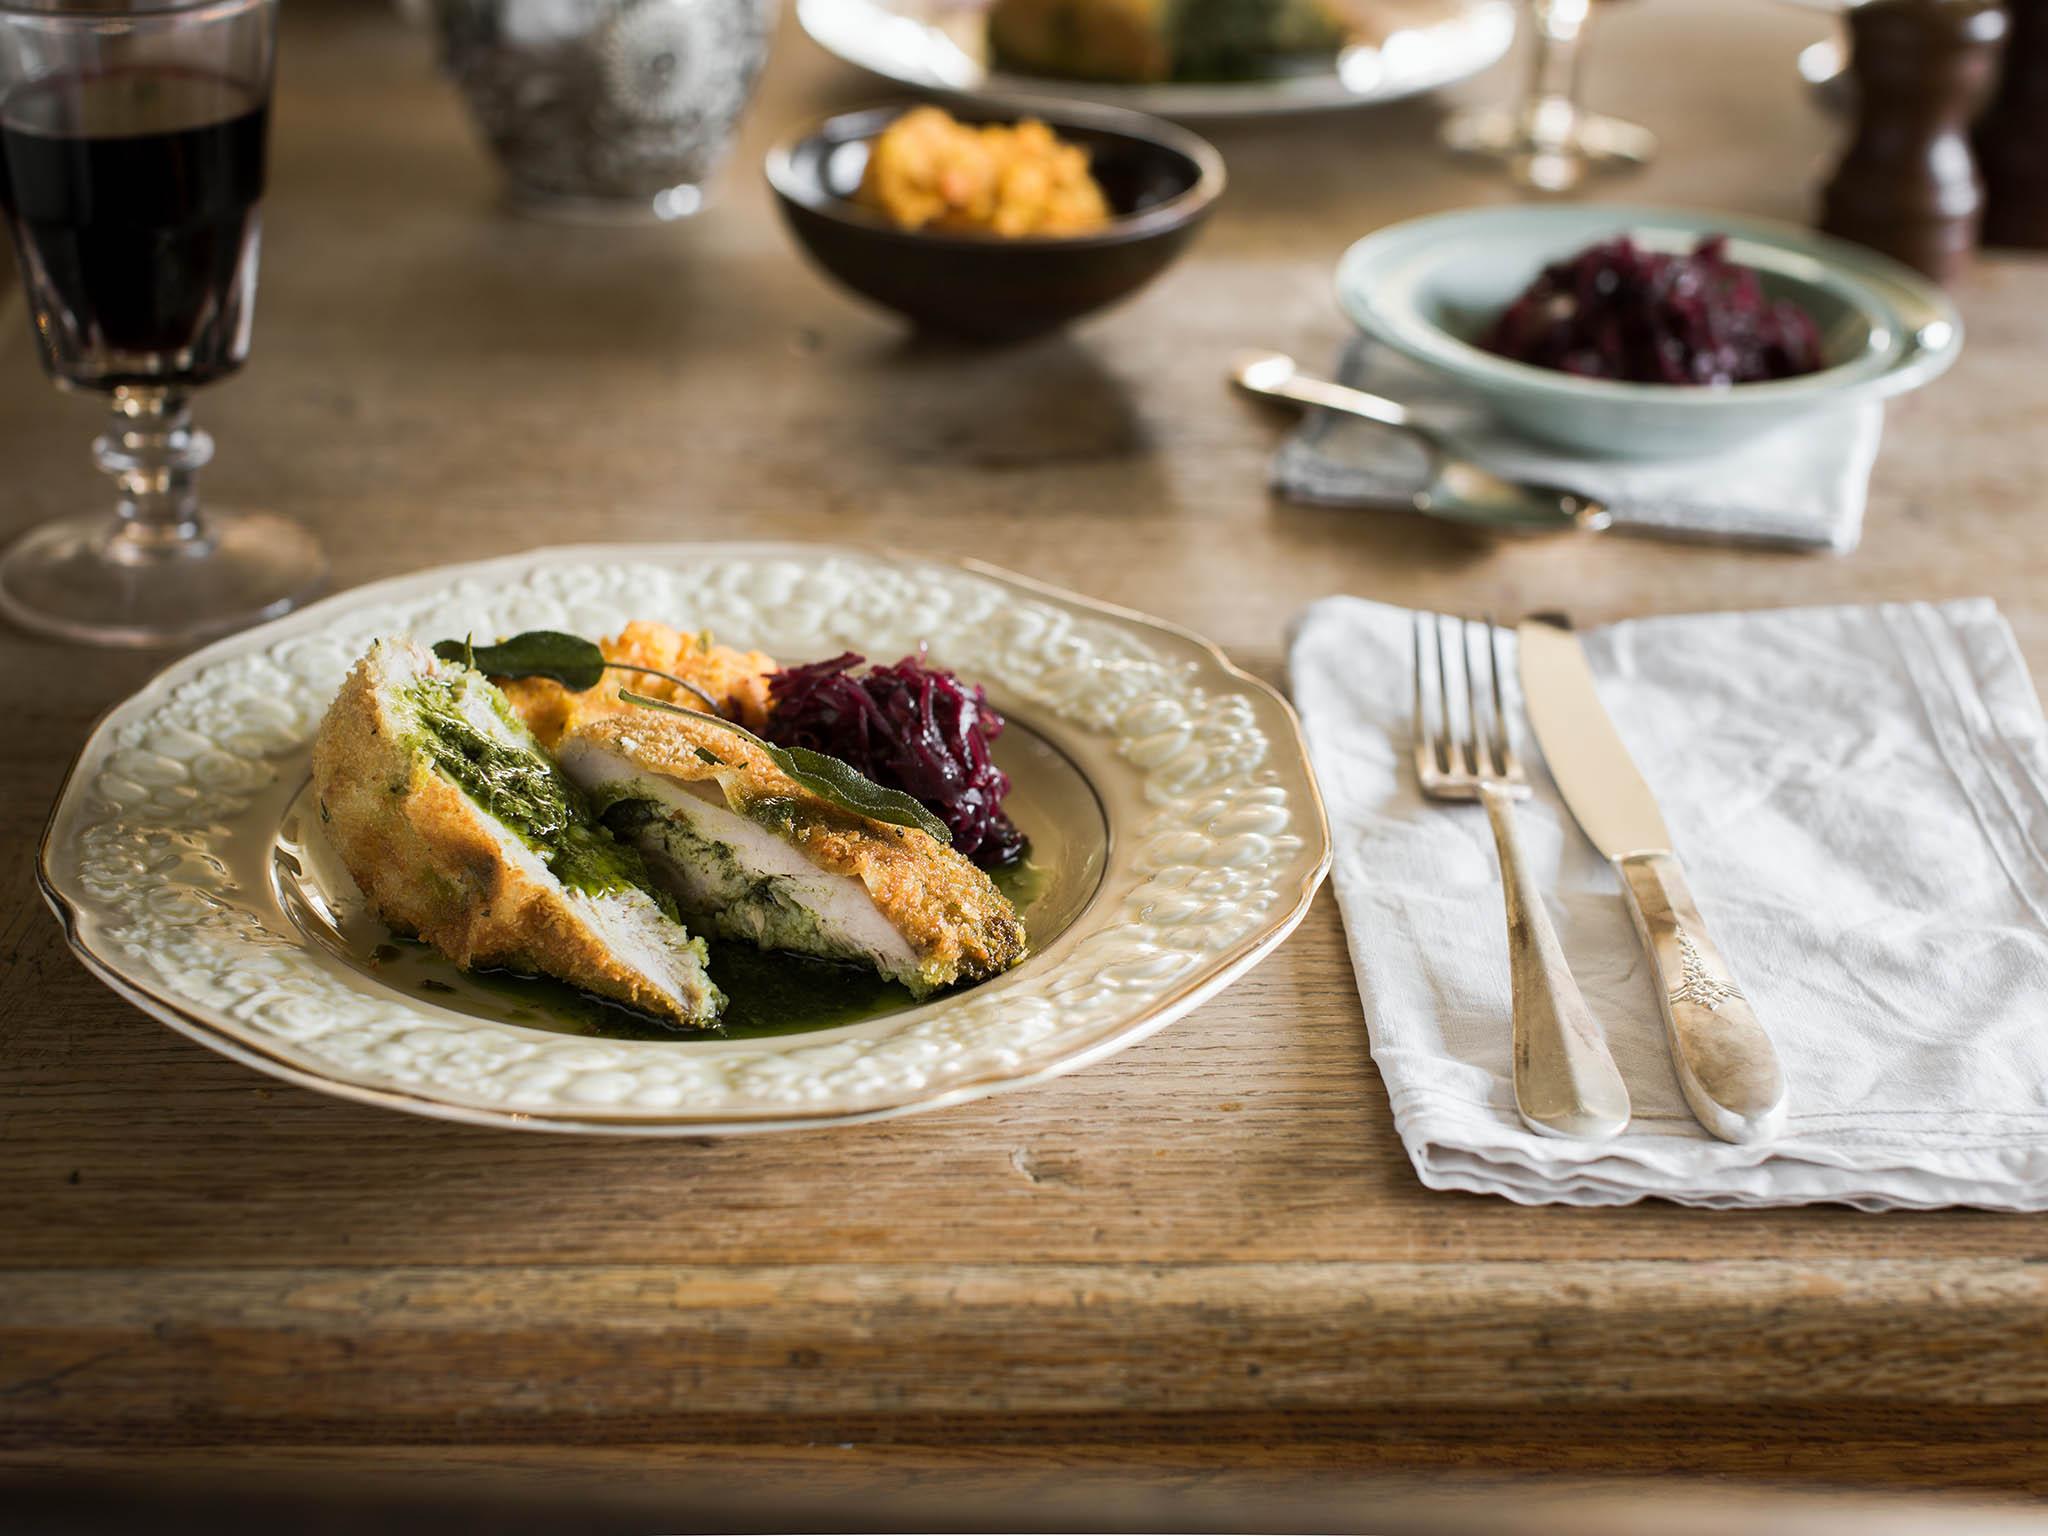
(133, 198)
(132, 140)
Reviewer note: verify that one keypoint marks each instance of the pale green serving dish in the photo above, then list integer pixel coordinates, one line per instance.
(1427, 286)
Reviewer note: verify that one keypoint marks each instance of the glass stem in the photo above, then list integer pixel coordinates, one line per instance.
(1552, 105)
(154, 454)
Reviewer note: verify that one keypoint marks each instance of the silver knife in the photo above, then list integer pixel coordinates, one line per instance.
(1725, 1061)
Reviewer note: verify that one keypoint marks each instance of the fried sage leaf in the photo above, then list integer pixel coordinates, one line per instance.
(577, 664)
(829, 778)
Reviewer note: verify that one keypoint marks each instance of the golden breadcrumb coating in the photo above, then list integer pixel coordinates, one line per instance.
(928, 171)
(738, 680)
(947, 909)
(432, 864)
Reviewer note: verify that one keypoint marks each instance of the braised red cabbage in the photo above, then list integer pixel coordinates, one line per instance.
(1616, 311)
(912, 727)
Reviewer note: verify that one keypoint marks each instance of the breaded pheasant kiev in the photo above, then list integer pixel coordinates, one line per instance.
(740, 842)
(459, 829)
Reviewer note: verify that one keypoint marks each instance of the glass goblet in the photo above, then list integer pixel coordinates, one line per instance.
(132, 148)
(1547, 140)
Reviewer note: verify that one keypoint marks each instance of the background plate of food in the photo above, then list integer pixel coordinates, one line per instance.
(686, 839)
(1176, 58)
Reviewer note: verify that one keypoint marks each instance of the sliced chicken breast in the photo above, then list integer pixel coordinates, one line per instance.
(739, 842)
(459, 829)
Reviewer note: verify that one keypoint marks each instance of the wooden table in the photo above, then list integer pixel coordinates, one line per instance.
(1207, 1254)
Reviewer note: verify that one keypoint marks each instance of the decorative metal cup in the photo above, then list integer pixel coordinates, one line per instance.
(612, 110)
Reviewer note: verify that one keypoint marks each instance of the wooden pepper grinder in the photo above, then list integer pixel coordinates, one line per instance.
(1908, 185)
(2012, 138)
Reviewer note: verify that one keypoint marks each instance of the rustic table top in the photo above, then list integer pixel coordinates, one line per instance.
(1208, 1252)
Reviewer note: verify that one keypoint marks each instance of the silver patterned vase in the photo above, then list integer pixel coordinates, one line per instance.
(607, 109)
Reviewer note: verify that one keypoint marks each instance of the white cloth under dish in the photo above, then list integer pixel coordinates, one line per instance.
(1860, 800)
(1804, 487)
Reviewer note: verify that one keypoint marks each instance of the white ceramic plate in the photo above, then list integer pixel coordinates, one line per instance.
(1167, 794)
(942, 46)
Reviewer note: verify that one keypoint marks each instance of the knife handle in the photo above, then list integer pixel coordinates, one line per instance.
(1566, 1083)
(1725, 1061)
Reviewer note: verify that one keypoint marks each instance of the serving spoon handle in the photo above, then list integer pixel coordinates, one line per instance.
(1305, 389)
(1459, 490)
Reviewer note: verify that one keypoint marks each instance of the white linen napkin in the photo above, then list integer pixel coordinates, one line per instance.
(1803, 488)
(1860, 800)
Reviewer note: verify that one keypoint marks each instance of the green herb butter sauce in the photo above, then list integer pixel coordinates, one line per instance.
(1021, 882)
(767, 992)
(516, 783)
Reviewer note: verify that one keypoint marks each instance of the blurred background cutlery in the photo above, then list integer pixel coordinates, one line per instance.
(1458, 489)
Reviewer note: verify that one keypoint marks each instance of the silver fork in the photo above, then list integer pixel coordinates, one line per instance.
(1566, 1083)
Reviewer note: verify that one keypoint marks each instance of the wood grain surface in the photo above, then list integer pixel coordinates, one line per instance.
(1207, 1258)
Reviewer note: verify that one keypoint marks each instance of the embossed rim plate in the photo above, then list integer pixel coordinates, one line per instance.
(938, 46)
(156, 856)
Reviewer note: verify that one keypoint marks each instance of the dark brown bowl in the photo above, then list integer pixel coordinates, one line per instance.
(1161, 182)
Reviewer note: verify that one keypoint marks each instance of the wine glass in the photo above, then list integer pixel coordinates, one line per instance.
(132, 142)
(1548, 141)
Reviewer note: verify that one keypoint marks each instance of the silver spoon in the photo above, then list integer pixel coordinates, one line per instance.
(1458, 489)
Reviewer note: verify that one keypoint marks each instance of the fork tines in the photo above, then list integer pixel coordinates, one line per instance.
(1461, 720)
